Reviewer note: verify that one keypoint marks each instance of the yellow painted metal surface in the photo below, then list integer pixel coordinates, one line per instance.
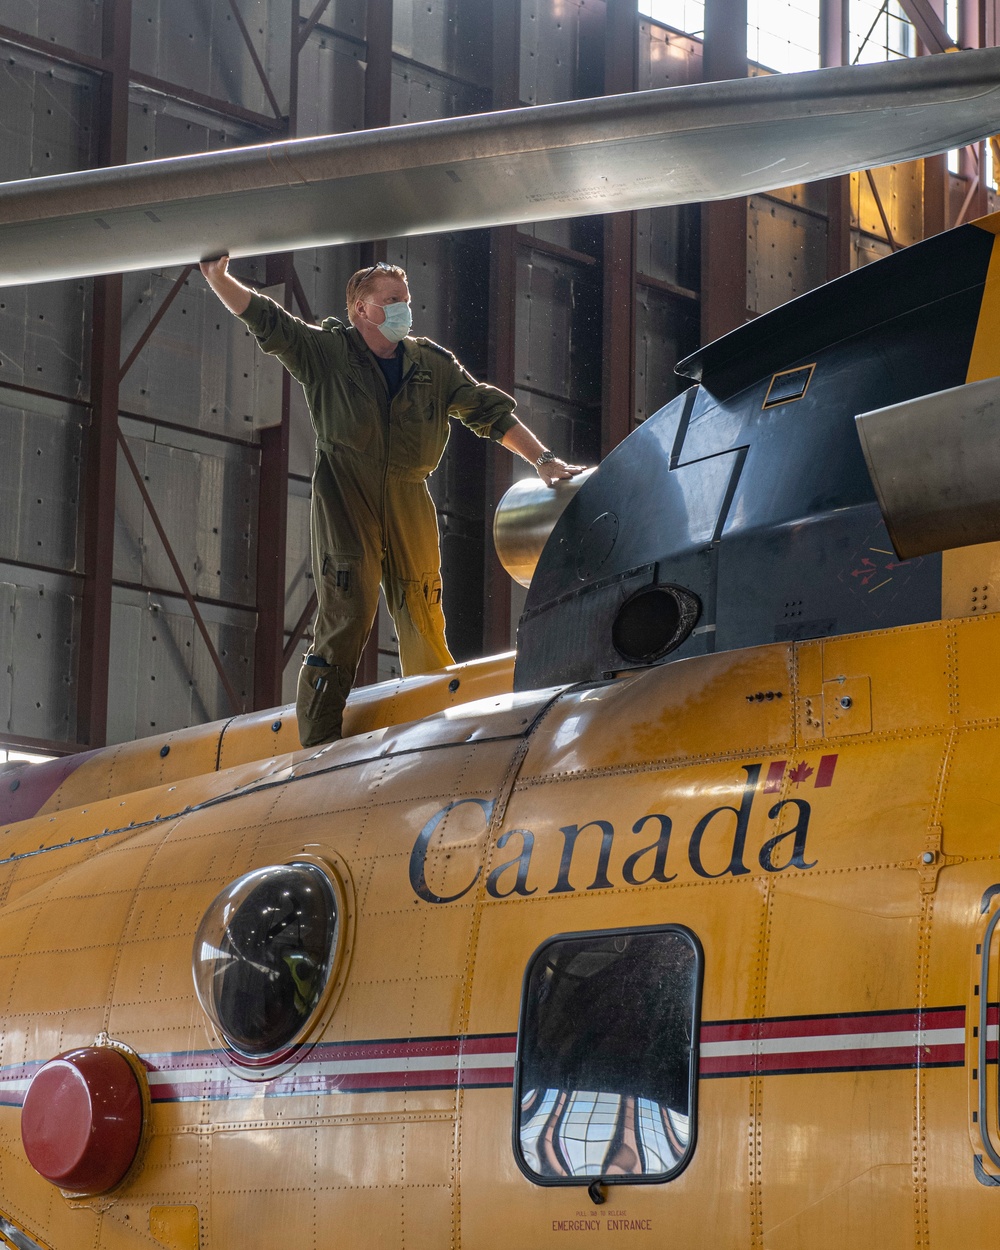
(165, 759)
(175, 1227)
(970, 576)
(733, 794)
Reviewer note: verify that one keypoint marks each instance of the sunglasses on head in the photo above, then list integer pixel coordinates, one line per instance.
(379, 264)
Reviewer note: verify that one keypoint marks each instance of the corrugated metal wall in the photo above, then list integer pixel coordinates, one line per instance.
(198, 402)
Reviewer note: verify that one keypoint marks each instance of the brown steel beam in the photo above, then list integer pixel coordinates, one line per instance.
(213, 436)
(272, 525)
(300, 297)
(621, 63)
(54, 51)
(294, 56)
(378, 63)
(272, 497)
(261, 72)
(835, 49)
(931, 30)
(528, 242)
(881, 212)
(668, 288)
(202, 600)
(34, 390)
(100, 65)
(377, 112)
(301, 625)
(155, 320)
(101, 464)
(234, 700)
(39, 746)
(970, 196)
(502, 317)
(209, 103)
(935, 200)
(972, 34)
(311, 24)
(724, 223)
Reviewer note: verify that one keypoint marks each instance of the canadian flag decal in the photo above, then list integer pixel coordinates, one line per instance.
(800, 774)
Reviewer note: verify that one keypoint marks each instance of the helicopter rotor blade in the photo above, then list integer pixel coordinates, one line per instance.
(674, 145)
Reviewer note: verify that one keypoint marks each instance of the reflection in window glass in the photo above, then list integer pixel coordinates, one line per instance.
(783, 35)
(687, 16)
(607, 1056)
(880, 32)
(263, 955)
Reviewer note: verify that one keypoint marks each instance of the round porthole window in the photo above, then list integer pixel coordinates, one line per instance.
(263, 957)
(653, 622)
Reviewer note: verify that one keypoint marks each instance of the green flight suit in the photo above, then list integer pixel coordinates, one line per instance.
(373, 519)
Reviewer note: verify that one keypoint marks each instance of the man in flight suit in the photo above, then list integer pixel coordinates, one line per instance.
(380, 403)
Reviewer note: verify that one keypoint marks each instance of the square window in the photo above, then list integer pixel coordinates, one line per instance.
(787, 386)
(607, 1057)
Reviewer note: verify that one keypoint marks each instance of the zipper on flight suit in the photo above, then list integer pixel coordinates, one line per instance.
(388, 430)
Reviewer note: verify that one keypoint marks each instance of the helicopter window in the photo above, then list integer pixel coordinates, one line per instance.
(263, 956)
(607, 1057)
(789, 385)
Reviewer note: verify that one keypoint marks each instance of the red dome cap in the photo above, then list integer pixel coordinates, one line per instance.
(82, 1119)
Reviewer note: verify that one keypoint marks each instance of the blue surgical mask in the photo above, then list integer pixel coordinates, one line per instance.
(398, 320)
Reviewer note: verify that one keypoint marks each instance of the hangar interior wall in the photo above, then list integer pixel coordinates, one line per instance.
(212, 450)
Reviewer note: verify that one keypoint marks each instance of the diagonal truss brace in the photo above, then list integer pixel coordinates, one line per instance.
(261, 72)
(235, 702)
(314, 18)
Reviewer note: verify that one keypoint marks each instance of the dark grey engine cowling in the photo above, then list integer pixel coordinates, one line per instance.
(743, 513)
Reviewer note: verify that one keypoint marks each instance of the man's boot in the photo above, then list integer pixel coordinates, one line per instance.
(319, 701)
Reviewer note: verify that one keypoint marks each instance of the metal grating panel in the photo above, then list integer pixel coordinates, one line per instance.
(200, 367)
(445, 35)
(206, 497)
(298, 567)
(572, 432)
(166, 679)
(560, 50)
(199, 46)
(74, 24)
(47, 126)
(786, 253)
(558, 328)
(40, 483)
(420, 95)
(667, 59)
(37, 654)
(345, 16)
(331, 85)
(44, 337)
(447, 277)
(301, 438)
(324, 273)
(666, 331)
(160, 127)
(49, 116)
(900, 189)
(668, 245)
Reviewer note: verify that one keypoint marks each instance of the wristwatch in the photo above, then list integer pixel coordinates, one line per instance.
(545, 458)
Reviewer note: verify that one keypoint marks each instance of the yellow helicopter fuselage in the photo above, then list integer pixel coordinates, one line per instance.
(820, 816)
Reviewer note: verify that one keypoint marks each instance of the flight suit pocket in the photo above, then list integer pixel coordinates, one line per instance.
(314, 680)
(423, 602)
(339, 576)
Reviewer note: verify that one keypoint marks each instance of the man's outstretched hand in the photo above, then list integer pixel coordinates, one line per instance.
(233, 294)
(215, 269)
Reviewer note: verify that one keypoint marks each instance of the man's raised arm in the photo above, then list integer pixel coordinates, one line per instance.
(233, 294)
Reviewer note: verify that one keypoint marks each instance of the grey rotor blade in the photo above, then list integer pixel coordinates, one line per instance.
(671, 146)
